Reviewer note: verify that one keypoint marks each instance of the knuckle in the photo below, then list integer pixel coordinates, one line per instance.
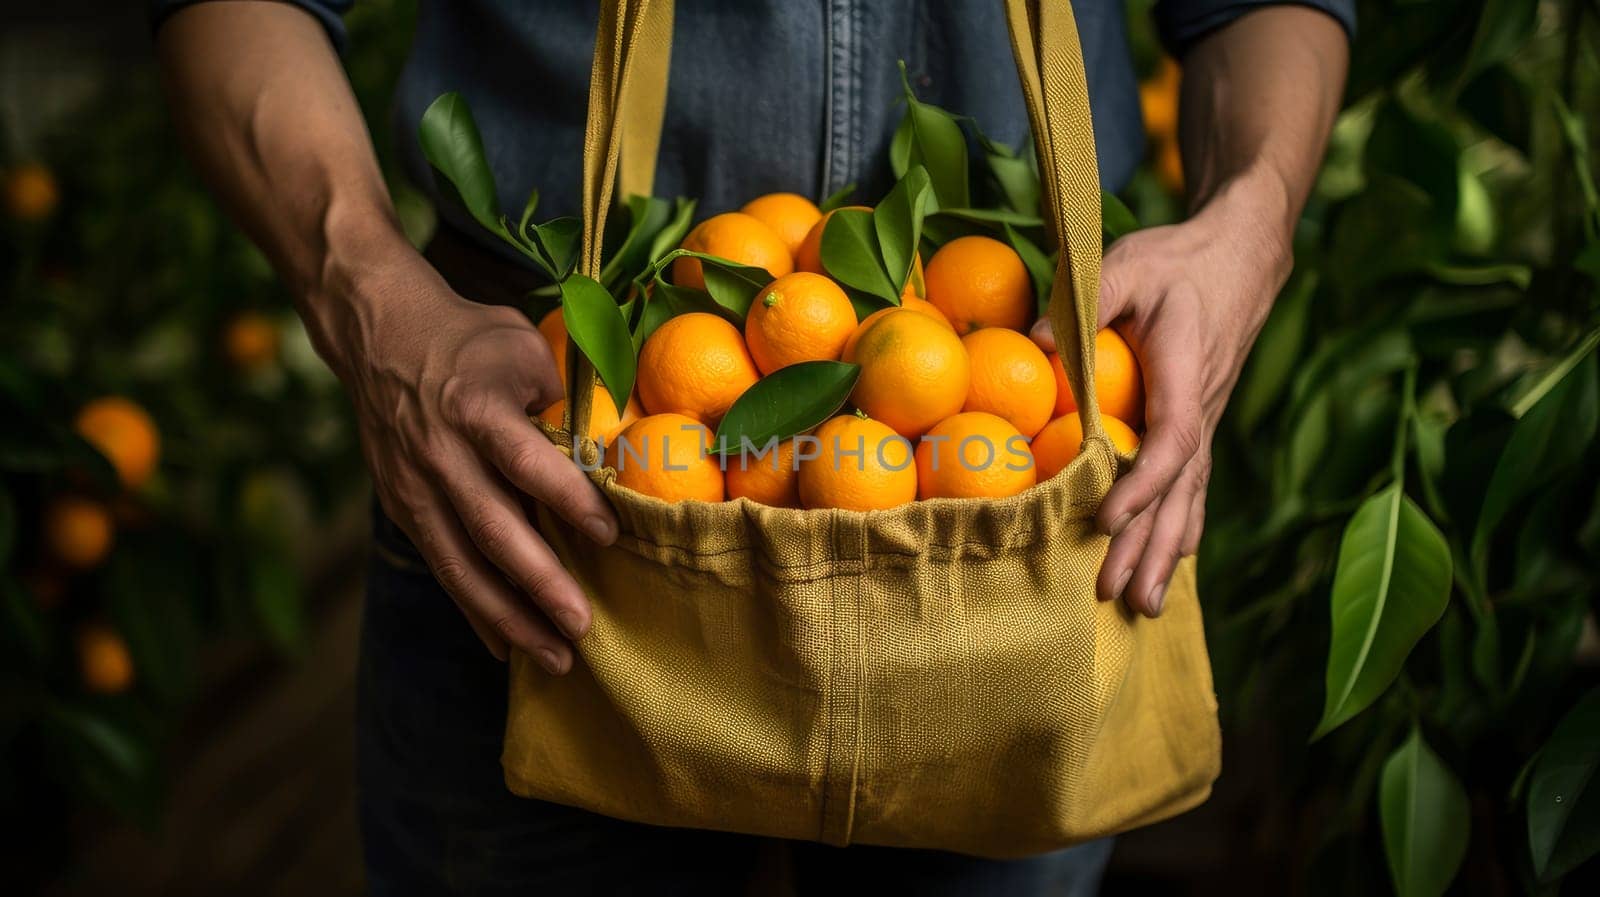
(508, 627)
(492, 536)
(464, 403)
(526, 463)
(453, 575)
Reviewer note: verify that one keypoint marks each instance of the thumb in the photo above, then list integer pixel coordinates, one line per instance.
(1117, 284)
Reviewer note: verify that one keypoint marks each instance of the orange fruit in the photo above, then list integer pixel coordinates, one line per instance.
(1062, 439)
(78, 531)
(1117, 383)
(861, 465)
(798, 317)
(666, 455)
(772, 479)
(694, 364)
(980, 282)
(1011, 378)
(604, 422)
(251, 341)
(907, 302)
(1158, 100)
(974, 454)
(125, 434)
(914, 372)
(809, 256)
(912, 302)
(790, 216)
(554, 328)
(104, 660)
(736, 237)
(31, 193)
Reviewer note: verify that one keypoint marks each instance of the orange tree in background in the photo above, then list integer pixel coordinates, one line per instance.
(170, 450)
(1402, 555)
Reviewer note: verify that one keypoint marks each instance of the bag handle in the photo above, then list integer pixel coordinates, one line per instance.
(627, 99)
(1044, 40)
(627, 102)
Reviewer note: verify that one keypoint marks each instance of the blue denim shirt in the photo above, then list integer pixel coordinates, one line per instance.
(764, 95)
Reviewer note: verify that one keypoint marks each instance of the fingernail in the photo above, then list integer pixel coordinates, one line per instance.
(1122, 582)
(1158, 597)
(601, 530)
(551, 663)
(571, 624)
(1119, 524)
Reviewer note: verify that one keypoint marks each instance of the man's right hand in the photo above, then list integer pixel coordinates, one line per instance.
(442, 388)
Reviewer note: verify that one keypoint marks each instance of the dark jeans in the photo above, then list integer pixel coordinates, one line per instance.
(436, 817)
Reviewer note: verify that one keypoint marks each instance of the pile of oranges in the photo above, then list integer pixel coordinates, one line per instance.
(953, 398)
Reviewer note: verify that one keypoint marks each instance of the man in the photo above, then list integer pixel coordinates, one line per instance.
(770, 95)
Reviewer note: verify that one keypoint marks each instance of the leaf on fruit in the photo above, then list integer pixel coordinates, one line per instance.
(850, 253)
(600, 331)
(785, 403)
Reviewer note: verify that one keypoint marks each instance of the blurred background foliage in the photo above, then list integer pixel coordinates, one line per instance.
(178, 472)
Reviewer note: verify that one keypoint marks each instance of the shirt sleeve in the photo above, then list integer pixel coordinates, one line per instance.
(329, 13)
(1182, 22)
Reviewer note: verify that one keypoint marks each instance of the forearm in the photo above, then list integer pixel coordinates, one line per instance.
(1259, 98)
(268, 116)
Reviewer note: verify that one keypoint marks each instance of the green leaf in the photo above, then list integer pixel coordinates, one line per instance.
(558, 240)
(992, 217)
(1424, 813)
(527, 213)
(1276, 353)
(939, 145)
(785, 403)
(898, 223)
(597, 326)
(1575, 130)
(1016, 177)
(900, 147)
(667, 301)
(839, 199)
(850, 253)
(1555, 433)
(731, 285)
(1503, 27)
(674, 231)
(452, 145)
(1538, 388)
(1041, 270)
(734, 286)
(1516, 275)
(1564, 792)
(647, 215)
(1391, 585)
(1116, 219)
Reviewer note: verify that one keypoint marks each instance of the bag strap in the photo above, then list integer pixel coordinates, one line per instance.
(1044, 40)
(627, 101)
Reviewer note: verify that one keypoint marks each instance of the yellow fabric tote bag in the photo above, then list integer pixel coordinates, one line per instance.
(939, 675)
